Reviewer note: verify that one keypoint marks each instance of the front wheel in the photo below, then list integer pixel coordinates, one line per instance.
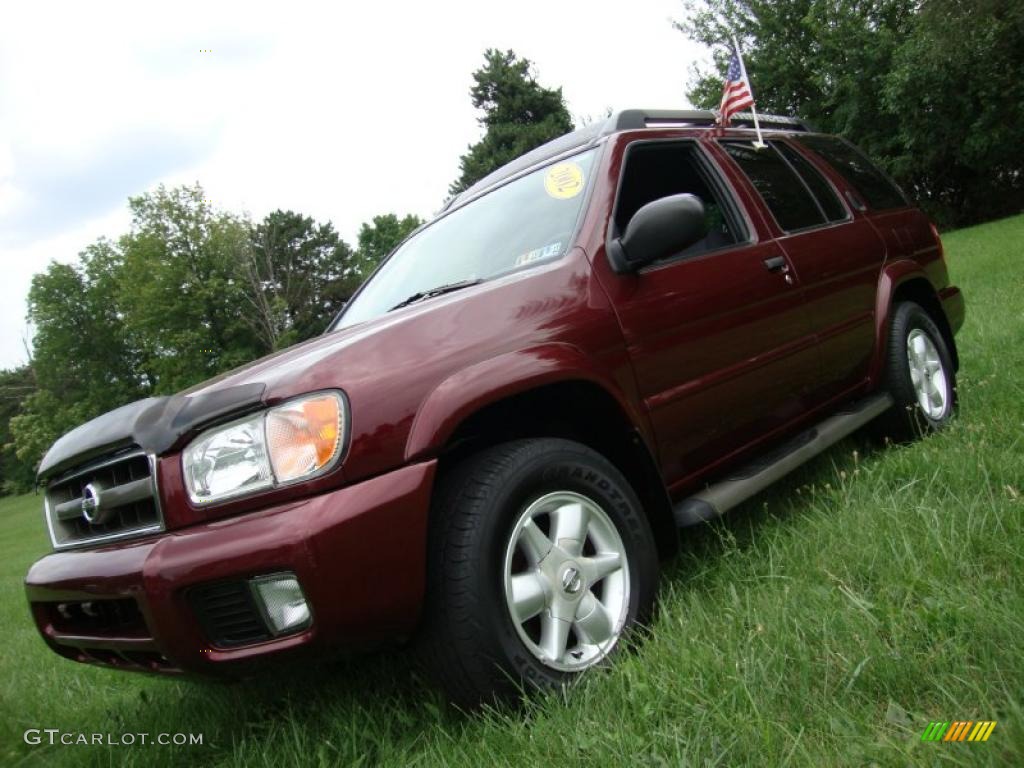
(919, 374)
(540, 560)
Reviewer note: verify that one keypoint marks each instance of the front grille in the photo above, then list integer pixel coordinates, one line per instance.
(113, 498)
(228, 614)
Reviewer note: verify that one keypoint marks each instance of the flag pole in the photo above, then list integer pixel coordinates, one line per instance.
(759, 144)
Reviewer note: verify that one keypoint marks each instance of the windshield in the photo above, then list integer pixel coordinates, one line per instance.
(523, 222)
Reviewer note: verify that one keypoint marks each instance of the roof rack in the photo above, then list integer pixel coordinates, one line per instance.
(634, 119)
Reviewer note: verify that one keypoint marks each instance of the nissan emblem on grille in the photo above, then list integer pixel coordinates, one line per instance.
(91, 510)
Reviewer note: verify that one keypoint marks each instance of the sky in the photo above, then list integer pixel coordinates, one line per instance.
(339, 111)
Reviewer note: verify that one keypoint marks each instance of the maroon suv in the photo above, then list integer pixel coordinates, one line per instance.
(630, 329)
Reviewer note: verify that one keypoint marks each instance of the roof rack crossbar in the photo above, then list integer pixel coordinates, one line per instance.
(634, 119)
(746, 119)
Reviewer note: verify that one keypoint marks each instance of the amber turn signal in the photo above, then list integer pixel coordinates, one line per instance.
(304, 436)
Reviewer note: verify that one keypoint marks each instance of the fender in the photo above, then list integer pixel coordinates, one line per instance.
(893, 275)
(467, 391)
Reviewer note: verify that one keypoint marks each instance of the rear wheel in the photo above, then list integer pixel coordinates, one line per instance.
(919, 374)
(540, 560)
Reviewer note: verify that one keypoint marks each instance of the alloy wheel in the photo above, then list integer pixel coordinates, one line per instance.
(927, 375)
(566, 580)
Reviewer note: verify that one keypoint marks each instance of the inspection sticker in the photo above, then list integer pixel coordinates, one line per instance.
(539, 253)
(564, 181)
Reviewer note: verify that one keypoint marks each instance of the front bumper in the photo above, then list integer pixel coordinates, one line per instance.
(359, 553)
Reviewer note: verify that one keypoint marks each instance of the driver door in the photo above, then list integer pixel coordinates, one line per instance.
(718, 334)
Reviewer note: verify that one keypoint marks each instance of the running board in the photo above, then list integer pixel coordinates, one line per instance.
(762, 472)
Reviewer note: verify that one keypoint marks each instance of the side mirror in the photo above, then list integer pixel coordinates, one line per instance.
(658, 230)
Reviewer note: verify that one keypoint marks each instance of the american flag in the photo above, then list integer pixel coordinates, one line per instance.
(736, 95)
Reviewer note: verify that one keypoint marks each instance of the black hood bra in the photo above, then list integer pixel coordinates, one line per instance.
(155, 424)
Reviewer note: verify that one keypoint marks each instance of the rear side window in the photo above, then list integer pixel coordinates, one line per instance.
(853, 165)
(822, 190)
(786, 196)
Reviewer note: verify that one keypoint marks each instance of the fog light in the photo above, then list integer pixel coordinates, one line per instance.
(284, 606)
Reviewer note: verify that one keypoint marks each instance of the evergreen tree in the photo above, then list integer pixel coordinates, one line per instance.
(519, 115)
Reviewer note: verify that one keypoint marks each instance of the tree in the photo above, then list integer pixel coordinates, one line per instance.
(182, 289)
(16, 384)
(81, 350)
(298, 273)
(960, 130)
(84, 362)
(881, 73)
(380, 236)
(824, 60)
(519, 115)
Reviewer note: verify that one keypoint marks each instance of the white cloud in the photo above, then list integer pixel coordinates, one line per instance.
(334, 110)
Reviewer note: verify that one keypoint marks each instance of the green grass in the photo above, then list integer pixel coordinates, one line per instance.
(824, 623)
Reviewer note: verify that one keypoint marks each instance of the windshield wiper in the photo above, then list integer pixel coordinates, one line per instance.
(441, 289)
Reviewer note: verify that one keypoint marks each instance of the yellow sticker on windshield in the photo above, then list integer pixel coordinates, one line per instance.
(564, 181)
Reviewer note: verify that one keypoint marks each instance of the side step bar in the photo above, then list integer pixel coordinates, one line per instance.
(716, 499)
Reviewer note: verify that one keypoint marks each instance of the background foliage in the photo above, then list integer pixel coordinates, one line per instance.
(932, 89)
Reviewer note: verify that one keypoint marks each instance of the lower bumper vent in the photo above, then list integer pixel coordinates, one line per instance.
(228, 614)
(101, 618)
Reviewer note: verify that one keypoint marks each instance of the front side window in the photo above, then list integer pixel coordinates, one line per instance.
(523, 222)
(654, 170)
(786, 196)
(853, 165)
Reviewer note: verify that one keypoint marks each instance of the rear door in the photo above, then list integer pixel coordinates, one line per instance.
(718, 334)
(836, 253)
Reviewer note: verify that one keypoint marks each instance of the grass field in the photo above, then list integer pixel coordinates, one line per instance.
(824, 623)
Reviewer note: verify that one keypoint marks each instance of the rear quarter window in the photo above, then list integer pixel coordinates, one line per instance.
(853, 165)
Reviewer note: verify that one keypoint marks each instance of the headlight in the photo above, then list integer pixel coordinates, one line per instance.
(227, 461)
(291, 442)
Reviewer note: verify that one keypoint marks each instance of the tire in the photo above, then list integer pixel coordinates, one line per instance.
(923, 384)
(484, 558)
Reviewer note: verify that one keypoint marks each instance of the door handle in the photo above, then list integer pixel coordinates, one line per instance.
(776, 264)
